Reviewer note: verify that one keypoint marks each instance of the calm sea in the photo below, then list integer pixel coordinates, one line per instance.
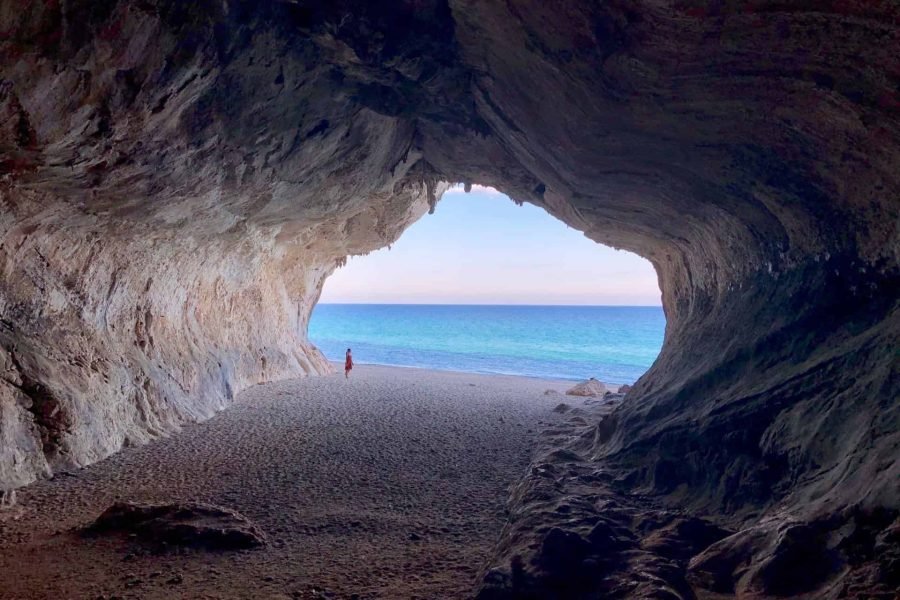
(612, 343)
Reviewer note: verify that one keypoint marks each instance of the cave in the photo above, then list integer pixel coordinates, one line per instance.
(178, 179)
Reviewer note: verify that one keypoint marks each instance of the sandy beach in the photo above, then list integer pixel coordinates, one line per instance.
(392, 484)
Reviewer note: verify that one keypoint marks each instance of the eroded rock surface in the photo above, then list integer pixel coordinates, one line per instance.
(578, 529)
(179, 178)
(191, 525)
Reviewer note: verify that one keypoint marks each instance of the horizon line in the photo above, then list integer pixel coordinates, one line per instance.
(488, 304)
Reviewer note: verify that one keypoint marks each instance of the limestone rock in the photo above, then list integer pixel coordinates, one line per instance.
(624, 389)
(177, 180)
(591, 387)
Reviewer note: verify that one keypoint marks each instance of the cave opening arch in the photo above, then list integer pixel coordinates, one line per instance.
(170, 211)
(490, 267)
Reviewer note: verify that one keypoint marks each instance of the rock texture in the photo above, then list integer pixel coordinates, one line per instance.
(191, 525)
(591, 387)
(580, 528)
(179, 178)
(176, 184)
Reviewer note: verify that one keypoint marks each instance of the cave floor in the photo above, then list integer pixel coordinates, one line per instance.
(390, 485)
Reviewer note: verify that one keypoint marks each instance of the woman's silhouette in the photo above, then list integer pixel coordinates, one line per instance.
(348, 364)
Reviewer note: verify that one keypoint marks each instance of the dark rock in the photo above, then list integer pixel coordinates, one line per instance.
(887, 554)
(773, 558)
(189, 525)
(606, 539)
(798, 562)
(562, 551)
(684, 538)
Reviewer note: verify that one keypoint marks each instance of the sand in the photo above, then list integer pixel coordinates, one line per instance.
(390, 485)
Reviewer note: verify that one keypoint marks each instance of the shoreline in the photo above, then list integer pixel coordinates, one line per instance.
(613, 387)
(455, 304)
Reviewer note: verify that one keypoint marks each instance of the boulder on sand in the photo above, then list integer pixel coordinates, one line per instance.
(192, 524)
(624, 388)
(591, 387)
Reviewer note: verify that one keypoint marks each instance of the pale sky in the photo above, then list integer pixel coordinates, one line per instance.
(480, 248)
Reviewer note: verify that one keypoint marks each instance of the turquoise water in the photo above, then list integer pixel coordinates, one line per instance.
(615, 344)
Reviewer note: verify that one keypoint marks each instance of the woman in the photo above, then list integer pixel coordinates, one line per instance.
(348, 364)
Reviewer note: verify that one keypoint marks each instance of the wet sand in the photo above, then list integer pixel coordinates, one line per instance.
(390, 485)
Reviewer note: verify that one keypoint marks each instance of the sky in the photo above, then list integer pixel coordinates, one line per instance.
(481, 248)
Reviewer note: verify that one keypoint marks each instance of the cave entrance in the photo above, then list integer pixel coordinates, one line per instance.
(486, 286)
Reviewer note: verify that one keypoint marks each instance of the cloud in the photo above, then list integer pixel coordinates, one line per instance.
(482, 189)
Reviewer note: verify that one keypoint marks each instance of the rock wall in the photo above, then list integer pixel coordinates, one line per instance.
(167, 221)
(114, 332)
(179, 178)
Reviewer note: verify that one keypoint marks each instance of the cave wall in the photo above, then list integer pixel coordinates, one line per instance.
(750, 153)
(171, 326)
(88, 369)
(167, 221)
(179, 178)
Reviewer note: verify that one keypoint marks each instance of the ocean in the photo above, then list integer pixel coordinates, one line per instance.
(615, 344)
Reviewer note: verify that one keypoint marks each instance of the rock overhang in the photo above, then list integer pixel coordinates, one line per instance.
(179, 179)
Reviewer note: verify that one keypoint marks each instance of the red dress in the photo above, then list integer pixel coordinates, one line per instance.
(348, 364)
